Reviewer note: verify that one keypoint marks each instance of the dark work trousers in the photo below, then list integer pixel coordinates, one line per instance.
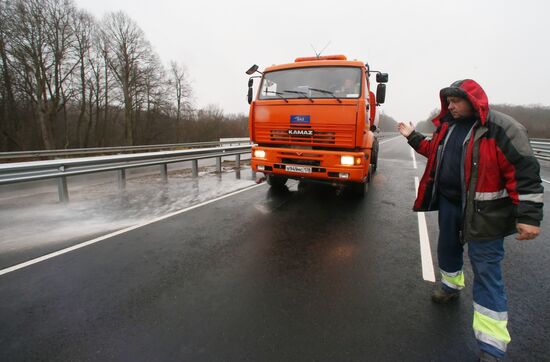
(449, 248)
(490, 303)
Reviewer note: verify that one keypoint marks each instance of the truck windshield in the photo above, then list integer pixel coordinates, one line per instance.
(314, 82)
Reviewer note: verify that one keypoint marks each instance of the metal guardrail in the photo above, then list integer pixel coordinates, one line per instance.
(62, 168)
(541, 148)
(40, 170)
(120, 149)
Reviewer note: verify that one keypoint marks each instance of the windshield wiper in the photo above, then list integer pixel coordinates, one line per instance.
(326, 92)
(278, 94)
(299, 92)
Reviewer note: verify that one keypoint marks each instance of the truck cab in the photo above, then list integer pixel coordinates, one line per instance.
(315, 119)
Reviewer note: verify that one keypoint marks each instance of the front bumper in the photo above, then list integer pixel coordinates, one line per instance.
(312, 164)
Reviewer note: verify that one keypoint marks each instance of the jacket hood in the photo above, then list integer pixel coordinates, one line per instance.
(468, 89)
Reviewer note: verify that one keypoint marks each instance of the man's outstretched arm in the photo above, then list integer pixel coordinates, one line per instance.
(415, 139)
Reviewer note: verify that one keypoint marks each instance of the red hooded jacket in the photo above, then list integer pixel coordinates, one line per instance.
(501, 182)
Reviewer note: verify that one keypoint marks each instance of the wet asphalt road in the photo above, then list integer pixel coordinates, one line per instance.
(305, 274)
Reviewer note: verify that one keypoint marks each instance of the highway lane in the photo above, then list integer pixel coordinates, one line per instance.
(31, 227)
(304, 274)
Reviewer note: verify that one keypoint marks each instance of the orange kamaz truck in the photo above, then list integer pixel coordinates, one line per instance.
(315, 119)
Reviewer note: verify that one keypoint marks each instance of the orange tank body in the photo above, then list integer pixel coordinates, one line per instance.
(314, 120)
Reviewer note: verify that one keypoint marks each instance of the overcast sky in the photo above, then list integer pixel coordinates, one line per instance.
(423, 45)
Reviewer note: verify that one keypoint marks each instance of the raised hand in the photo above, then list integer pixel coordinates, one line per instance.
(405, 129)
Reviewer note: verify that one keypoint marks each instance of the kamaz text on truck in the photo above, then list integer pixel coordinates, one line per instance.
(315, 119)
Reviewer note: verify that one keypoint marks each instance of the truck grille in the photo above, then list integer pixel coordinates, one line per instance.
(297, 161)
(331, 135)
(281, 135)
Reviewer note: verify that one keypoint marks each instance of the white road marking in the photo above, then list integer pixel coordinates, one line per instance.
(543, 180)
(391, 139)
(119, 232)
(414, 158)
(425, 250)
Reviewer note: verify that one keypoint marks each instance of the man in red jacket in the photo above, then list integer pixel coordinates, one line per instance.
(483, 178)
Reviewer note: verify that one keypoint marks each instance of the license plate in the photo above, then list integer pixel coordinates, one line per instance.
(299, 169)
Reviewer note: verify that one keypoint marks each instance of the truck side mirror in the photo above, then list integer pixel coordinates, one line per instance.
(380, 93)
(252, 69)
(382, 77)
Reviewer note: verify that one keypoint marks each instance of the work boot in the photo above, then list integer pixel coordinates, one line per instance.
(486, 357)
(442, 295)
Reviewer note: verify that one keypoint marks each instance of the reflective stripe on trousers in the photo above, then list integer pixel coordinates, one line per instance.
(453, 280)
(490, 327)
(490, 303)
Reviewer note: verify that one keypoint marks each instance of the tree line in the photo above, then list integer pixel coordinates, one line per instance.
(387, 123)
(69, 80)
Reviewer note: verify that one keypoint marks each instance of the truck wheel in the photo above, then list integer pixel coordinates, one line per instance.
(276, 181)
(361, 188)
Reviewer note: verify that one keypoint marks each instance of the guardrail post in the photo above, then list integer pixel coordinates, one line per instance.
(218, 164)
(122, 179)
(238, 160)
(195, 167)
(62, 189)
(164, 172)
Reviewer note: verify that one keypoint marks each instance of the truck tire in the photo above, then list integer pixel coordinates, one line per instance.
(360, 189)
(276, 181)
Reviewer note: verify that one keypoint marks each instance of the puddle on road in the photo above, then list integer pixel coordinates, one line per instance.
(100, 209)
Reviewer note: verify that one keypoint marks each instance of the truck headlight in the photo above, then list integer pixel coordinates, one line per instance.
(259, 153)
(347, 160)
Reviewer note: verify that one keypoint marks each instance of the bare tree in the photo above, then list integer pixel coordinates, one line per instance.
(127, 51)
(61, 40)
(83, 28)
(182, 90)
(150, 95)
(9, 116)
(96, 82)
(102, 85)
(41, 36)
